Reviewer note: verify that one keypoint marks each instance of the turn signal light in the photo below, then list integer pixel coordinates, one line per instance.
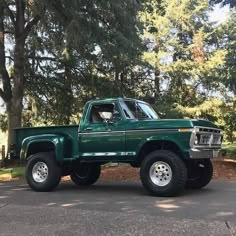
(185, 130)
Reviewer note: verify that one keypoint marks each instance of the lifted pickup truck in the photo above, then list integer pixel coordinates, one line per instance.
(171, 154)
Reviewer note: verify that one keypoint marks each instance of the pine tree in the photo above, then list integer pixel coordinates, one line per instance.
(181, 51)
(36, 54)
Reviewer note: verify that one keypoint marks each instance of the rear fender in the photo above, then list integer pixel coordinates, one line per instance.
(56, 140)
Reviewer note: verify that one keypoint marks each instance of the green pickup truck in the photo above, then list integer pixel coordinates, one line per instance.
(171, 154)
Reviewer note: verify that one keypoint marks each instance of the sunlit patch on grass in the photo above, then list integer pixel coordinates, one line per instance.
(11, 173)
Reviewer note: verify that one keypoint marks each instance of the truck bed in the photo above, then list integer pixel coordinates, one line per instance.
(21, 133)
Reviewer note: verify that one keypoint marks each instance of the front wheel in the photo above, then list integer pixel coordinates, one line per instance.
(163, 173)
(86, 174)
(200, 174)
(42, 172)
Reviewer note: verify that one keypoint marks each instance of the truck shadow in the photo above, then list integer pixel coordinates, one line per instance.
(133, 188)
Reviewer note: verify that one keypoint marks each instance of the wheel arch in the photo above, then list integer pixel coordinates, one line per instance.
(154, 145)
(41, 143)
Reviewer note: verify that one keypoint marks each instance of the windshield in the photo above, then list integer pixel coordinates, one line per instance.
(138, 110)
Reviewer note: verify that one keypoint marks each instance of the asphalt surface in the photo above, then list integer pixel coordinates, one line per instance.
(116, 208)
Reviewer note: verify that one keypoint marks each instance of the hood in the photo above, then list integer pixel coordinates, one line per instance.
(204, 123)
(170, 124)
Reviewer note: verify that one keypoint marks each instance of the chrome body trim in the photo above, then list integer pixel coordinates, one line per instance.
(151, 130)
(102, 132)
(105, 154)
(129, 131)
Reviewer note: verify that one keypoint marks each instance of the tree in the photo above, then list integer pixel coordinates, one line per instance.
(227, 40)
(16, 22)
(81, 27)
(216, 110)
(181, 51)
(231, 3)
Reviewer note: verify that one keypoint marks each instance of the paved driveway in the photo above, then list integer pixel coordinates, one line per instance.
(116, 208)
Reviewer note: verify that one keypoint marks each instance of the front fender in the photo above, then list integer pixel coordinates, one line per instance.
(55, 139)
(181, 140)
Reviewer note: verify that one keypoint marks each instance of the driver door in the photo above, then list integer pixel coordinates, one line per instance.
(102, 137)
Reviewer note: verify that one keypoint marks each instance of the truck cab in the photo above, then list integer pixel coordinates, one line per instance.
(171, 154)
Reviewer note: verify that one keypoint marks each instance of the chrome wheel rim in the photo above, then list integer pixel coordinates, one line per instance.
(160, 173)
(40, 172)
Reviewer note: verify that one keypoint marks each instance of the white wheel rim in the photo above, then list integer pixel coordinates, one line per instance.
(160, 173)
(40, 172)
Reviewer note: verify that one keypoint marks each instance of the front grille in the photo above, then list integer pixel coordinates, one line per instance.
(208, 137)
(217, 140)
(204, 139)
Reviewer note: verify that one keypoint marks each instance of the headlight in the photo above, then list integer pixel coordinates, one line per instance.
(196, 140)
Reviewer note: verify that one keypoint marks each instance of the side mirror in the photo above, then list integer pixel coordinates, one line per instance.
(116, 116)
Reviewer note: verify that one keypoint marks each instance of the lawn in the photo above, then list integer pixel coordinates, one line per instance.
(229, 150)
(12, 172)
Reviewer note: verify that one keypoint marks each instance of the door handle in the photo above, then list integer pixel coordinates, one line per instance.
(89, 129)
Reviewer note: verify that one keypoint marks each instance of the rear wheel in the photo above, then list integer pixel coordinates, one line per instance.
(163, 173)
(200, 174)
(42, 172)
(86, 174)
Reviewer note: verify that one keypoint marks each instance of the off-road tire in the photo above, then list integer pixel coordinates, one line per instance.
(86, 174)
(54, 172)
(178, 173)
(200, 174)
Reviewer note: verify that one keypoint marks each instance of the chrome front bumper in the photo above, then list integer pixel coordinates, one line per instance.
(203, 153)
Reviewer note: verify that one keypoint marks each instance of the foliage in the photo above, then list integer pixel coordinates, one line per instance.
(229, 150)
(75, 43)
(231, 3)
(228, 41)
(3, 122)
(188, 58)
(12, 173)
(181, 52)
(80, 66)
(230, 124)
(217, 111)
(165, 52)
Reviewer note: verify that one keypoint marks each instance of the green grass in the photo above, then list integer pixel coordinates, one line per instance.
(12, 172)
(229, 150)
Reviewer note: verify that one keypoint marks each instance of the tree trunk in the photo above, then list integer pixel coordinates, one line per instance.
(116, 83)
(13, 88)
(14, 105)
(157, 89)
(14, 111)
(157, 81)
(67, 104)
(122, 84)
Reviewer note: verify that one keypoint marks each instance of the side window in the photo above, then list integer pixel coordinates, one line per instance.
(128, 113)
(100, 112)
(116, 113)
